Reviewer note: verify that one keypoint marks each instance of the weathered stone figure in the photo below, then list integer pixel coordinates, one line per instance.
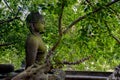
(35, 47)
(36, 50)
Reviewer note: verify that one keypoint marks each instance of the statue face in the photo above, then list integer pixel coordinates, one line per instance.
(39, 27)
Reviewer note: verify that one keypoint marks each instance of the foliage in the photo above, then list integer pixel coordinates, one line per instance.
(89, 36)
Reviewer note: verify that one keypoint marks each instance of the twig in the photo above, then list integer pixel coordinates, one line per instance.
(115, 12)
(5, 44)
(50, 52)
(12, 19)
(19, 8)
(8, 5)
(60, 19)
(84, 16)
(60, 34)
(108, 28)
(9, 20)
(77, 62)
(89, 3)
(116, 38)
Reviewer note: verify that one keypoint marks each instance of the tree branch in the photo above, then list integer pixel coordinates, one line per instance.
(115, 12)
(9, 20)
(89, 3)
(12, 19)
(60, 19)
(60, 34)
(84, 16)
(30, 71)
(8, 5)
(5, 44)
(50, 52)
(116, 38)
(77, 62)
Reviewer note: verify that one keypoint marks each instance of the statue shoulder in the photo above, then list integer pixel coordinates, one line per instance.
(32, 39)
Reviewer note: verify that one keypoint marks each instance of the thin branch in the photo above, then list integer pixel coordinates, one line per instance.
(8, 5)
(77, 62)
(108, 28)
(9, 20)
(84, 16)
(12, 19)
(60, 34)
(89, 3)
(19, 8)
(60, 19)
(50, 52)
(115, 12)
(116, 38)
(5, 44)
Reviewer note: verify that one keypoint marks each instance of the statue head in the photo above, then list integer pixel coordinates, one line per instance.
(35, 22)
